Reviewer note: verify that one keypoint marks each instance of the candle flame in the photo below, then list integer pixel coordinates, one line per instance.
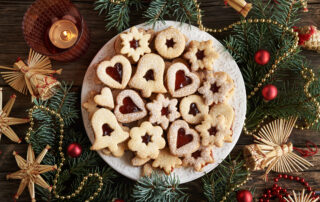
(66, 35)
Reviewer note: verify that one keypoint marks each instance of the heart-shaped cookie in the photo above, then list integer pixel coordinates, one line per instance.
(116, 72)
(182, 140)
(107, 131)
(130, 107)
(149, 75)
(180, 81)
(105, 99)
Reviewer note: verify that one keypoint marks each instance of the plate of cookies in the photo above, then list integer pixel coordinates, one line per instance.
(165, 97)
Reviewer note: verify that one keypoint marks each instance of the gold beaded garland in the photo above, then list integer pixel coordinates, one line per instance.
(273, 68)
(55, 181)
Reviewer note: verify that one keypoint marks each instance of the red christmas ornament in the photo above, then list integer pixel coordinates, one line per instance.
(244, 196)
(262, 57)
(117, 200)
(74, 150)
(269, 92)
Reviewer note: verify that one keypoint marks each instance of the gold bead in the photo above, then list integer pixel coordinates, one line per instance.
(243, 21)
(219, 30)
(60, 148)
(86, 200)
(90, 175)
(54, 187)
(224, 198)
(256, 89)
(271, 71)
(101, 184)
(252, 93)
(77, 191)
(73, 195)
(62, 197)
(55, 181)
(91, 198)
(95, 194)
(100, 178)
(99, 189)
(268, 75)
(96, 174)
(269, 21)
(215, 30)
(275, 22)
(262, 20)
(225, 29)
(256, 20)
(68, 197)
(85, 178)
(249, 20)
(263, 80)
(238, 23)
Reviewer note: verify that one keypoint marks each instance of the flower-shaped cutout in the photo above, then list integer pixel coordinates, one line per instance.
(217, 88)
(213, 131)
(163, 110)
(200, 158)
(201, 55)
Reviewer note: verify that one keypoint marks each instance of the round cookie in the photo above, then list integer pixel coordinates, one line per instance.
(170, 43)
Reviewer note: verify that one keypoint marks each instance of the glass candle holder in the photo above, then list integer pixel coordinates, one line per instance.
(38, 20)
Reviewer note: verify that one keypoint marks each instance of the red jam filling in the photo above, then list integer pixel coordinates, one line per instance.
(182, 80)
(196, 154)
(214, 88)
(183, 138)
(165, 111)
(170, 43)
(115, 72)
(200, 54)
(194, 109)
(134, 44)
(213, 131)
(106, 130)
(149, 75)
(128, 106)
(146, 138)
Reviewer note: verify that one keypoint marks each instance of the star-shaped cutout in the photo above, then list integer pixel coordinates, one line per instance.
(6, 121)
(30, 172)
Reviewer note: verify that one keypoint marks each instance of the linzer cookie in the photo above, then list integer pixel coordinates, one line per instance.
(170, 43)
(182, 140)
(193, 109)
(146, 140)
(200, 158)
(201, 55)
(105, 99)
(115, 73)
(217, 88)
(225, 110)
(180, 81)
(149, 75)
(166, 161)
(213, 131)
(163, 110)
(135, 43)
(130, 107)
(107, 131)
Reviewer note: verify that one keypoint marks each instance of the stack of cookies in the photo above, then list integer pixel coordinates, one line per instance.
(161, 99)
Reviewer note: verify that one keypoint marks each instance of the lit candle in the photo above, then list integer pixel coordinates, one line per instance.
(63, 34)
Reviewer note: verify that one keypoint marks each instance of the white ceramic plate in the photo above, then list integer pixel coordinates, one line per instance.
(225, 63)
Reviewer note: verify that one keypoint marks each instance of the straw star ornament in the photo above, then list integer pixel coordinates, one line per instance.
(6, 121)
(302, 197)
(30, 172)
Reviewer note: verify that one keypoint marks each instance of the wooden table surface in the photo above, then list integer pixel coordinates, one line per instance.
(12, 45)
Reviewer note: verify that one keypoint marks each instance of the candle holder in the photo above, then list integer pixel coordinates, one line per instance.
(40, 17)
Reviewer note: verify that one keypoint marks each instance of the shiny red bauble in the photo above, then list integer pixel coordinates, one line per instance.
(262, 57)
(269, 92)
(244, 196)
(74, 150)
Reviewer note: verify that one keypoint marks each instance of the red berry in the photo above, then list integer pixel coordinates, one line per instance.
(278, 191)
(269, 191)
(302, 180)
(284, 190)
(291, 177)
(287, 195)
(275, 185)
(297, 178)
(309, 189)
(261, 200)
(264, 195)
(306, 184)
(285, 176)
(267, 200)
(269, 196)
(313, 193)
(279, 188)
(280, 196)
(279, 176)
(276, 179)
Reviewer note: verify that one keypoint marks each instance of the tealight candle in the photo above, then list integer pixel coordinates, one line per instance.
(63, 34)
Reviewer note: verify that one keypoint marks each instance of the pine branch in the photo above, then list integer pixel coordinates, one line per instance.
(156, 11)
(159, 187)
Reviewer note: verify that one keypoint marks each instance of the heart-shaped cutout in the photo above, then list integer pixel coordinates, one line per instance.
(149, 75)
(107, 131)
(105, 99)
(116, 72)
(182, 140)
(180, 81)
(130, 107)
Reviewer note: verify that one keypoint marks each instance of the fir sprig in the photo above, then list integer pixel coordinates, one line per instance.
(159, 187)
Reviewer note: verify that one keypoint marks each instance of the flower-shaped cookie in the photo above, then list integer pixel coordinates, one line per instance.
(166, 161)
(201, 55)
(107, 131)
(146, 140)
(214, 131)
(135, 43)
(163, 110)
(200, 158)
(217, 89)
